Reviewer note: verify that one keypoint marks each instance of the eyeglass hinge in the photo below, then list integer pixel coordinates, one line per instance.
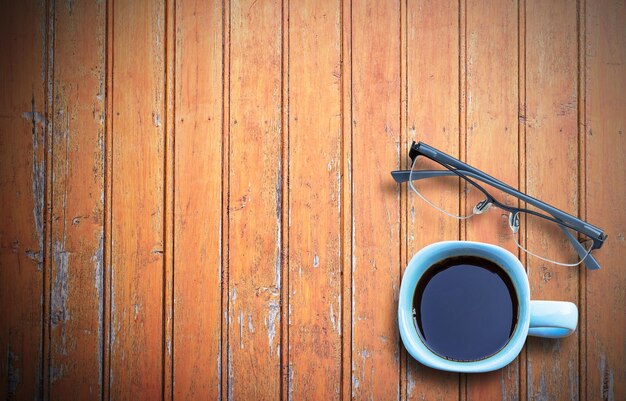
(413, 152)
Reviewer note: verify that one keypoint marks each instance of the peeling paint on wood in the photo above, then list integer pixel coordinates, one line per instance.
(59, 294)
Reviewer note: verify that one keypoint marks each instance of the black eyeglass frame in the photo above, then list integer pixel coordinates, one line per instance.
(463, 170)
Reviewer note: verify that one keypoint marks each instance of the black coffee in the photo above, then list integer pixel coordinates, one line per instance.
(465, 308)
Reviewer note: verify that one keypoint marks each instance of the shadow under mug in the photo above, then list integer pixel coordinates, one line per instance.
(551, 319)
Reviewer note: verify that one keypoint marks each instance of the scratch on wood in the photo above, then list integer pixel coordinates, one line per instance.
(219, 370)
(355, 382)
(250, 325)
(240, 321)
(156, 119)
(98, 261)
(230, 375)
(316, 261)
(279, 213)
(13, 374)
(38, 174)
(333, 319)
(607, 384)
(410, 386)
(274, 309)
(290, 389)
(59, 296)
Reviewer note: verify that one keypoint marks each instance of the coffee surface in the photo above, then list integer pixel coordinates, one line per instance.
(465, 308)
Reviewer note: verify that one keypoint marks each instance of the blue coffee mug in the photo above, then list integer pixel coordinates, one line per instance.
(551, 319)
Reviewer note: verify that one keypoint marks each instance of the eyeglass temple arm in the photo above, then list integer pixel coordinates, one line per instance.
(585, 255)
(401, 176)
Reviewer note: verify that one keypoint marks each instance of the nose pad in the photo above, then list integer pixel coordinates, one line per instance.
(482, 206)
(514, 222)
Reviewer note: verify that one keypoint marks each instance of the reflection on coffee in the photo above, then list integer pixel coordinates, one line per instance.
(465, 308)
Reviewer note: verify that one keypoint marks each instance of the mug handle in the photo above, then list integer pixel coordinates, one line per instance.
(552, 319)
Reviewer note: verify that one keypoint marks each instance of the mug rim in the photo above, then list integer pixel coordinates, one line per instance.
(433, 253)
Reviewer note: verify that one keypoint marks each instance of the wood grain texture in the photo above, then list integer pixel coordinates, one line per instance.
(22, 189)
(492, 144)
(551, 173)
(195, 199)
(315, 299)
(433, 117)
(605, 349)
(376, 200)
(198, 200)
(256, 188)
(77, 188)
(137, 200)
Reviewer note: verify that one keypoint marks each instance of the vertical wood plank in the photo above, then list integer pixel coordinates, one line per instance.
(137, 201)
(22, 187)
(255, 201)
(169, 204)
(347, 222)
(606, 191)
(551, 171)
(433, 117)
(108, 213)
(198, 200)
(77, 237)
(314, 200)
(376, 197)
(224, 368)
(492, 143)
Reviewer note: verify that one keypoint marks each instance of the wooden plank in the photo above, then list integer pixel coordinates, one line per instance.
(224, 257)
(347, 222)
(22, 187)
(605, 348)
(314, 200)
(169, 217)
(198, 199)
(254, 331)
(433, 117)
(137, 200)
(77, 236)
(376, 197)
(551, 171)
(492, 143)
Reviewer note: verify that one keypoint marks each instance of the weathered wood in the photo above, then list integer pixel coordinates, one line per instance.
(376, 197)
(551, 120)
(314, 201)
(492, 144)
(433, 117)
(256, 188)
(137, 200)
(77, 236)
(237, 220)
(605, 156)
(198, 200)
(22, 187)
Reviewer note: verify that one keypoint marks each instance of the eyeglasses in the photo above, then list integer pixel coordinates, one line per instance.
(437, 178)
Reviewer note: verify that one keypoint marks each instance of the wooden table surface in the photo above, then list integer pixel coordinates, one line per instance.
(195, 199)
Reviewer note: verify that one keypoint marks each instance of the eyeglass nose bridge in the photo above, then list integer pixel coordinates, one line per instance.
(482, 206)
(514, 222)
